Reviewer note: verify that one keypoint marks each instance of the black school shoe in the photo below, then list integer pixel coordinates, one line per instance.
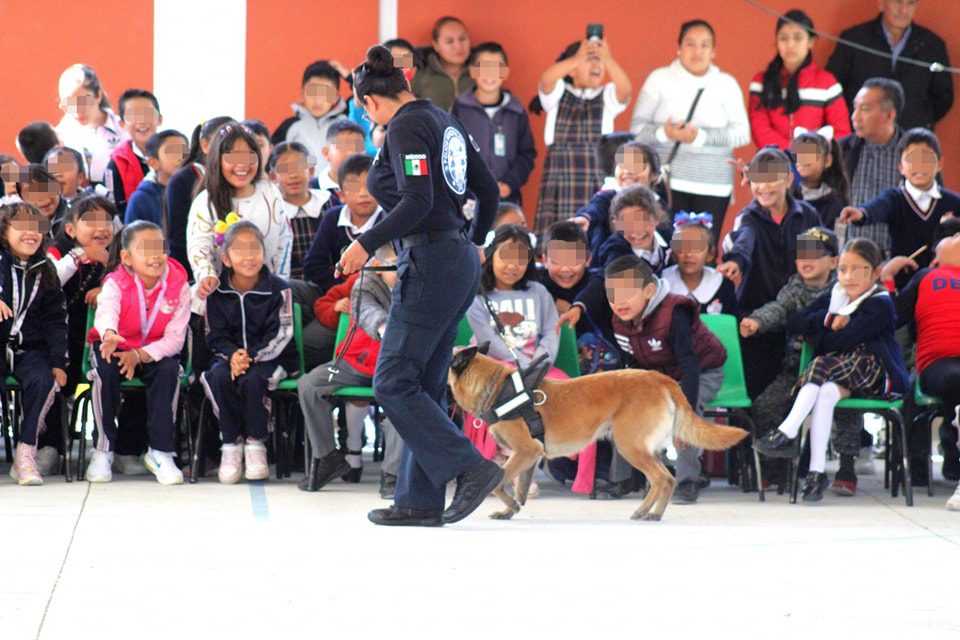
(814, 486)
(776, 444)
(394, 516)
(473, 487)
(323, 470)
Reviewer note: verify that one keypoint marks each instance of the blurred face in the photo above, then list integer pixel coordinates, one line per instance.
(402, 57)
(80, 103)
(244, 255)
(347, 143)
(691, 249)
(589, 74)
(25, 234)
(65, 169)
(356, 196)
(510, 262)
(898, 14)
(696, 50)
(638, 227)
(793, 45)
(140, 119)
(240, 165)
(855, 274)
(632, 168)
(871, 120)
(489, 71)
(44, 196)
(10, 174)
(814, 266)
(93, 228)
(319, 96)
(567, 262)
(627, 295)
(919, 164)
(769, 183)
(811, 161)
(453, 44)
(172, 152)
(292, 174)
(147, 255)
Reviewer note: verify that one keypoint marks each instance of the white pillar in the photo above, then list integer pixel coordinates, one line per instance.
(388, 19)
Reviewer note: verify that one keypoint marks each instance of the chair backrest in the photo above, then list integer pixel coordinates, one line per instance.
(568, 357)
(85, 365)
(806, 355)
(343, 325)
(464, 333)
(724, 326)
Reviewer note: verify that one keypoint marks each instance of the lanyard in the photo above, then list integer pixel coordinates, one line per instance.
(20, 314)
(147, 323)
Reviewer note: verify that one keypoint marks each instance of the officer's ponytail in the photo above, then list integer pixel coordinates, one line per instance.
(378, 76)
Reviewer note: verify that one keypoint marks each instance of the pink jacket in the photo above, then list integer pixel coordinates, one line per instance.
(118, 308)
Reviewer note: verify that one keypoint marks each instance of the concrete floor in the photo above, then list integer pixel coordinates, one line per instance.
(134, 559)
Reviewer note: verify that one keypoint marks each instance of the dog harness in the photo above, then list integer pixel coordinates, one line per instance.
(518, 397)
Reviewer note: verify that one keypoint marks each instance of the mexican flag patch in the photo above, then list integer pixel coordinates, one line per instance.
(415, 164)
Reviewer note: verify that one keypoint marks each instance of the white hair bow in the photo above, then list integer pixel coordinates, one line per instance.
(825, 132)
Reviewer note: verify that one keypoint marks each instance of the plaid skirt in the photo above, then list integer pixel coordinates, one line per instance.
(858, 371)
(571, 175)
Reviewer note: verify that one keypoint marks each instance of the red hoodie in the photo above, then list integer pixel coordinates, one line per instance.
(129, 168)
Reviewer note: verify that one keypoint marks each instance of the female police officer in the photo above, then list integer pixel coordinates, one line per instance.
(424, 168)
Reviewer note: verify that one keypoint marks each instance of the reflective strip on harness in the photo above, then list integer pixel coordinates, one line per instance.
(521, 398)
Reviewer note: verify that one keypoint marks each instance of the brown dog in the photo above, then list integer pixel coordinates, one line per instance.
(640, 409)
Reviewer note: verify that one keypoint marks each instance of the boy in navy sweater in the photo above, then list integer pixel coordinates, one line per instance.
(165, 152)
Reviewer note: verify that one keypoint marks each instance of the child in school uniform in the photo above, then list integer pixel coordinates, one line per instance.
(37, 139)
(497, 121)
(852, 329)
(66, 165)
(291, 169)
(39, 188)
(249, 324)
(823, 178)
(344, 139)
(33, 327)
(140, 117)
(165, 152)
(580, 108)
(636, 216)
(564, 270)
(694, 247)
(143, 309)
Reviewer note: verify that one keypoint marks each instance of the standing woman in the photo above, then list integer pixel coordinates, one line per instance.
(420, 176)
(445, 73)
(793, 91)
(700, 178)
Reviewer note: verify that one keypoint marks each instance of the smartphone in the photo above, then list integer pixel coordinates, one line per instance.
(595, 31)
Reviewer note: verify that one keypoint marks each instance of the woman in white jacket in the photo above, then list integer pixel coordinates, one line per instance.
(234, 183)
(700, 178)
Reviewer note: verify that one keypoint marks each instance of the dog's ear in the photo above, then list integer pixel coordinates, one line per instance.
(484, 347)
(461, 359)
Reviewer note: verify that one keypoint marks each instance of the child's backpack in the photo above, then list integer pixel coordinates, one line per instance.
(597, 354)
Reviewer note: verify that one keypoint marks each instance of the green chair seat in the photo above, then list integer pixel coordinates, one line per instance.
(354, 392)
(922, 399)
(733, 393)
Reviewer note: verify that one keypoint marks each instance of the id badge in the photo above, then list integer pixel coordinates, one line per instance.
(499, 144)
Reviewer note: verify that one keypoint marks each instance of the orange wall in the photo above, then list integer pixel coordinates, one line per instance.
(35, 51)
(642, 36)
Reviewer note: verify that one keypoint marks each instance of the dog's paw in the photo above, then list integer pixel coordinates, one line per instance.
(653, 517)
(501, 515)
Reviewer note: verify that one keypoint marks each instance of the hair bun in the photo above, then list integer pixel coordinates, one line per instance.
(379, 60)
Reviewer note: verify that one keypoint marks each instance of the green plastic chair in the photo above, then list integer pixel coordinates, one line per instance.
(896, 469)
(928, 409)
(732, 401)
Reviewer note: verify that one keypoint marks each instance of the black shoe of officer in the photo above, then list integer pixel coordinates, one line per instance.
(814, 486)
(473, 486)
(394, 516)
(776, 444)
(388, 485)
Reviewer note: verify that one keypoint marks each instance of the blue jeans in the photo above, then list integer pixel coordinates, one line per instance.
(437, 283)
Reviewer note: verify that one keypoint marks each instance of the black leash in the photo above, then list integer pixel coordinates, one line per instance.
(334, 368)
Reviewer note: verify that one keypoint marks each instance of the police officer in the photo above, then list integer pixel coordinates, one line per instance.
(424, 168)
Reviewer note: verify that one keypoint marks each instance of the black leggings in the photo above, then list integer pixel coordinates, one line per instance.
(942, 379)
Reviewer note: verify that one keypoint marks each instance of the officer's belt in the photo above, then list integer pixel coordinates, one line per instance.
(428, 237)
(515, 399)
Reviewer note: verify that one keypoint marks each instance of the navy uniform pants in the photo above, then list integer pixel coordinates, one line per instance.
(437, 283)
(32, 369)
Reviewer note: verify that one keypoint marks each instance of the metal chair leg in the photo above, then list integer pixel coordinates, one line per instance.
(198, 443)
(82, 401)
(905, 466)
(67, 440)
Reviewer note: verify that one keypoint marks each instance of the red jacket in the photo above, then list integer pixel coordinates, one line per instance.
(323, 309)
(821, 103)
(129, 168)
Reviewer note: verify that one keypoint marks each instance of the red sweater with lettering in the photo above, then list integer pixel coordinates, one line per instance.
(936, 312)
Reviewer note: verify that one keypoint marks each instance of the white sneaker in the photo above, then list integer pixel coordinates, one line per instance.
(255, 460)
(864, 465)
(953, 504)
(129, 465)
(48, 461)
(99, 468)
(161, 464)
(231, 464)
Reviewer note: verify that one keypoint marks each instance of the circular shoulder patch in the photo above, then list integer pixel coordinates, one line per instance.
(453, 158)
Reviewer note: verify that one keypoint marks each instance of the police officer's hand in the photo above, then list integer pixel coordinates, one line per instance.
(352, 260)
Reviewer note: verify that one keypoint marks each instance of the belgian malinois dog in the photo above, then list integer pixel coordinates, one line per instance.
(640, 409)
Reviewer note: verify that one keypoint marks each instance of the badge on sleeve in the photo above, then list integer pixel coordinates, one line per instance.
(453, 159)
(415, 164)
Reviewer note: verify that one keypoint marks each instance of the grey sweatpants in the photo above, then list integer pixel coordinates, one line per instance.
(688, 458)
(312, 390)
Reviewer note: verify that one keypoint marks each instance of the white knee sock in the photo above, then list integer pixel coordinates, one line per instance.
(355, 426)
(821, 424)
(802, 406)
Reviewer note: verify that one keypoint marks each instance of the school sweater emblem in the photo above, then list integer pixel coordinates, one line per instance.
(415, 164)
(453, 159)
(655, 345)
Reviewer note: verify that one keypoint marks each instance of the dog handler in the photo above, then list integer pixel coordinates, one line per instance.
(421, 175)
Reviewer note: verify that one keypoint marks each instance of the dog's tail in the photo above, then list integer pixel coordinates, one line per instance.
(693, 429)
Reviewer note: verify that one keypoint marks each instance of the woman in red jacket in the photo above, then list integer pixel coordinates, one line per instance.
(793, 91)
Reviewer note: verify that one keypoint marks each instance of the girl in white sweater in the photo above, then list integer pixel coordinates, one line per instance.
(700, 178)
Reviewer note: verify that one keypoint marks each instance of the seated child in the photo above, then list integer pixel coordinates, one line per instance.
(852, 330)
(140, 117)
(127, 341)
(694, 246)
(661, 331)
(249, 321)
(355, 368)
(635, 215)
(291, 169)
(36, 139)
(66, 165)
(9, 177)
(165, 151)
(507, 213)
(823, 179)
(261, 134)
(914, 209)
(344, 139)
(564, 268)
(33, 327)
(39, 188)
